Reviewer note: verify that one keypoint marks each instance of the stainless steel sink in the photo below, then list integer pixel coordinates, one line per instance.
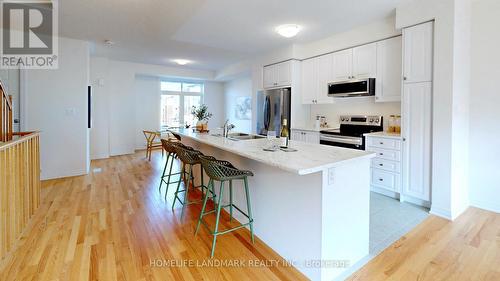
(243, 136)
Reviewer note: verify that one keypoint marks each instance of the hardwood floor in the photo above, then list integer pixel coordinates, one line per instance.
(437, 249)
(115, 225)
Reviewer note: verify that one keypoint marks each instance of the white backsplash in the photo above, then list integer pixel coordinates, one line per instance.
(354, 106)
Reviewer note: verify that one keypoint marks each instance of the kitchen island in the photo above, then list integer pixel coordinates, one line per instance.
(311, 206)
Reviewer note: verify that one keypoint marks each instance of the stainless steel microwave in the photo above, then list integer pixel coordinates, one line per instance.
(352, 88)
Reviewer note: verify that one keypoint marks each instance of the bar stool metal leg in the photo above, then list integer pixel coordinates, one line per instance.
(170, 173)
(163, 174)
(249, 207)
(210, 188)
(231, 200)
(183, 172)
(186, 189)
(219, 207)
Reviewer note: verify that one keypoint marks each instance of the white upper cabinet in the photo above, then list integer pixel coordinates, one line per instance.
(388, 83)
(364, 61)
(417, 59)
(277, 75)
(416, 132)
(325, 76)
(316, 74)
(284, 73)
(309, 77)
(342, 65)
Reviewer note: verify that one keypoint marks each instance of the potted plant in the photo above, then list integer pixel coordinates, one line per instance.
(201, 113)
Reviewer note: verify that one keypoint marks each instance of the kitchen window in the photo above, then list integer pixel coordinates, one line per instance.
(177, 99)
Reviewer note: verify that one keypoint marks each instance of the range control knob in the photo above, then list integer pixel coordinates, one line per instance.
(371, 120)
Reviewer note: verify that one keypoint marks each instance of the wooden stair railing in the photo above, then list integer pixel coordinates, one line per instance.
(19, 177)
(19, 188)
(6, 121)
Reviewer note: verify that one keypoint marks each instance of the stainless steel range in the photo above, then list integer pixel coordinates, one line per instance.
(350, 133)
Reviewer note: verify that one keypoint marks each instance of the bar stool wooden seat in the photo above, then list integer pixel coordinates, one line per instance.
(219, 170)
(189, 158)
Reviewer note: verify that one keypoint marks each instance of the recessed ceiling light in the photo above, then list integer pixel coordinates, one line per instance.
(108, 43)
(181, 61)
(288, 30)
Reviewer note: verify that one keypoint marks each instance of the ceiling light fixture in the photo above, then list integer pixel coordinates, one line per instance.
(108, 43)
(288, 30)
(181, 61)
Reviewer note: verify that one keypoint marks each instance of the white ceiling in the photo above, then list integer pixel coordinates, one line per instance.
(211, 33)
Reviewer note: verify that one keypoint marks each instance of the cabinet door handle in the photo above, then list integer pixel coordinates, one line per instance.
(404, 78)
(381, 153)
(381, 143)
(381, 179)
(381, 165)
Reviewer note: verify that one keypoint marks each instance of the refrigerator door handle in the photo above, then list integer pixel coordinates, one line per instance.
(267, 113)
(282, 95)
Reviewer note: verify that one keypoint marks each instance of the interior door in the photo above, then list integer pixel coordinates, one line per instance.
(417, 53)
(417, 137)
(342, 65)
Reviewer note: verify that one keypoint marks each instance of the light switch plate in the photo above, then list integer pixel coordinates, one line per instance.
(331, 176)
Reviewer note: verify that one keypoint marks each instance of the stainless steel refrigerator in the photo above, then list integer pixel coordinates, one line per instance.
(272, 107)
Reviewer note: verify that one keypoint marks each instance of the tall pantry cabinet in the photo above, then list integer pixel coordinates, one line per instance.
(417, 113)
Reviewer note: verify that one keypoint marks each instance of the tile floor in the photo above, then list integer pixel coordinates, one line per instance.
(391, 219)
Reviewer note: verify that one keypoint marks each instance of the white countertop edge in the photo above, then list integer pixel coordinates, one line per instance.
(384, 135)
(299, 172)
(333, 165)
(312, 129)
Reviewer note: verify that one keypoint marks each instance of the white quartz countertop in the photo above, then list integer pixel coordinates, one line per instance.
(310, 158)
(384, 135)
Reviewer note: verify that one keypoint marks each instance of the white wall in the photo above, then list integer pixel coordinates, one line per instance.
(56, 105)
(484, 106)
(240, 87)
(147, 107)
(354, 106)
(214, 99)
(449, 180)
(129, 102)
(99, 133)
(10, 80)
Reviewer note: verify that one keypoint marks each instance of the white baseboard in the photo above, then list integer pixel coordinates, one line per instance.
(99, 156)
(64, 174)
(444, 213)
(486, 205)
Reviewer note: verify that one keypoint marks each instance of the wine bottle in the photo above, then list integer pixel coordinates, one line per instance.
(284, 135)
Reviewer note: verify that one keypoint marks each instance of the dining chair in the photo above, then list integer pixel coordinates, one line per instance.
(152, 142)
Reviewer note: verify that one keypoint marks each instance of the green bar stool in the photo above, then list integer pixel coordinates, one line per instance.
(219, 170)
(189, 158)
(170, 147)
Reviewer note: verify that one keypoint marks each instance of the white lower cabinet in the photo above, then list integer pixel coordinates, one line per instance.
(305, 136)
(386, 166)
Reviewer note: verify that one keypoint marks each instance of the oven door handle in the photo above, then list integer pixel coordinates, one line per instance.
(355, 141)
